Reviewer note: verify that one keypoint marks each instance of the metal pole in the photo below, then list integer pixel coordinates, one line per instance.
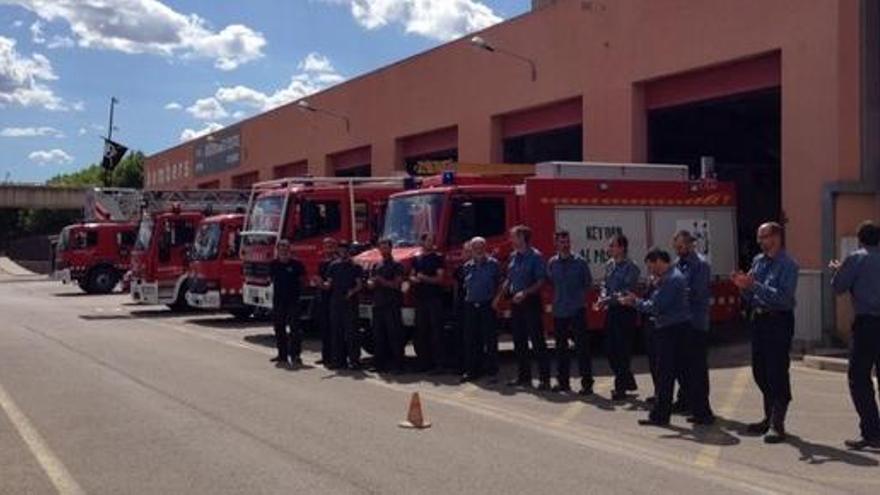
(351, 210)
(113, 101)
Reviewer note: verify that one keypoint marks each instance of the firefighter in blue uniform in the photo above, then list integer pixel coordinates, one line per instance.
(694, 376)
(668, 305)
(571, 279)
(769, 290)
(859, 274)
(526, 274)
(621, 277)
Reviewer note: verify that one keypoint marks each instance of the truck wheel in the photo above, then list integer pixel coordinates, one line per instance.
(180, 305)
(243, 313)
(102, 280)
(83, 284)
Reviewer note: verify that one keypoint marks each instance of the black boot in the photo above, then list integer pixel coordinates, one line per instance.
(777, 425)
(761, 427)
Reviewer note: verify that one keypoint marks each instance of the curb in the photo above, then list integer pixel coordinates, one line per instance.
(826, 363)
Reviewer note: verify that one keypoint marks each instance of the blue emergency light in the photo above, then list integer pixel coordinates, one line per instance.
(448, 178)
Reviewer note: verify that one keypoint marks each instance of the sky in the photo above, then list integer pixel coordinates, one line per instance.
(183, 68)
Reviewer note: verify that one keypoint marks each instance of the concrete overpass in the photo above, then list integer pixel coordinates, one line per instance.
(41, 196)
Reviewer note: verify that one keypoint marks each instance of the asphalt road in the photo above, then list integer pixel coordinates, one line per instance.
(100, 396)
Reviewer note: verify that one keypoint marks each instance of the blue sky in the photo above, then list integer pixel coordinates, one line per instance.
(184, 67)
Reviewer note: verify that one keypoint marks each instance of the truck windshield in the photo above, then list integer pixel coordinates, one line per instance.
(409, 217)
(207, 243)
(64, 239)
(265, 216)
(145, 233)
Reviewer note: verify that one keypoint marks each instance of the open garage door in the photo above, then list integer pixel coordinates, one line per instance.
(742, 134)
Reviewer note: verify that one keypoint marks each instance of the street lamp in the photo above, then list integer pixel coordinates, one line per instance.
(305, 106)
(482, 44)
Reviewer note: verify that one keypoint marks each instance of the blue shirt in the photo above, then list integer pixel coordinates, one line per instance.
(668, 303)
(620, 278)
(525, 270)
(775, 282)
(571, 279)
(481, 280)
(860, 275)
(698, 273)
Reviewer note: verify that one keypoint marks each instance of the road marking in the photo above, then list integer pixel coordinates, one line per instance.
(568, 414)
(740, 477)
(51, 464)
(709, 454)
(468, 390)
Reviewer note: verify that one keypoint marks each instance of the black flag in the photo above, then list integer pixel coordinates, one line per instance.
(113, 153)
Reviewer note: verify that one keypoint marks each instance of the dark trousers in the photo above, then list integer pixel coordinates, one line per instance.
(771, 344)
(428, 341)
(389, 336)
(864, 356)
(322, 321)
(694, 374)
(573, 328)
(480, 339)
(526, 325)
(669, 349)
(620, 326)
(344, 332)
(286, 316)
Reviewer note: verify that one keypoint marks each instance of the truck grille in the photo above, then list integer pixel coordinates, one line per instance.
(254, 269)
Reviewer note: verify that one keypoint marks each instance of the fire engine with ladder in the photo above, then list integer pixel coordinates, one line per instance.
(163, 248)
(304, 211)
(96, 253)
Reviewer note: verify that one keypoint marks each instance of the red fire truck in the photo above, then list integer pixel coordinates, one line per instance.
(305, 210)
(592, 201)
(96, 253)
(215, 276)
(162, 251)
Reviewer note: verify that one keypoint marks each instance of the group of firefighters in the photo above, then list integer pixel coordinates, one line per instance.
(675, 306)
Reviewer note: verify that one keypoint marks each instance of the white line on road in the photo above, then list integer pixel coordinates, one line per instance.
(51, 464)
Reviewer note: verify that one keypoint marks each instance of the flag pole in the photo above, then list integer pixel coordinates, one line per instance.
(113, 102)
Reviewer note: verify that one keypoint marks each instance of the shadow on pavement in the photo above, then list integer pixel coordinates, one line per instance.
(816, 453)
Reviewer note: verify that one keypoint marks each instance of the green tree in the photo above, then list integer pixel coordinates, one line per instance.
(129, 173)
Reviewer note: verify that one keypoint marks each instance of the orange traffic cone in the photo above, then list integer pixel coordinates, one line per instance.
(415, 418)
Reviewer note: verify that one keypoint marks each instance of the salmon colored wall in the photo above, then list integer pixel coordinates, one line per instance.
(602, 52)
(850, 211)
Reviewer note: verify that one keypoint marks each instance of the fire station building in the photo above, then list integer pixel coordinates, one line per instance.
(782, 95)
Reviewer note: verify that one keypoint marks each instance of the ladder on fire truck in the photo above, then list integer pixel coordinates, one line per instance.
(112, 204)
(306, 181)
(209, 201)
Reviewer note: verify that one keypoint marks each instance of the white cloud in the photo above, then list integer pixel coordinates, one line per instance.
(54, 156)
(150, 26)
(60, 42)
(436, 19)
(173, 106)
(23, 79)
(82, 131)
(315, 62)
(18, 23)
(37, 35)
(189, 134)
(31, 132)
(207, 109)
(318, 73)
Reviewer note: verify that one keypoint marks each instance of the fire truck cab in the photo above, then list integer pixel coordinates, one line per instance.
(305, 211)
(215, 272)
(648, 203)
(96, 253)
(162, 252)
